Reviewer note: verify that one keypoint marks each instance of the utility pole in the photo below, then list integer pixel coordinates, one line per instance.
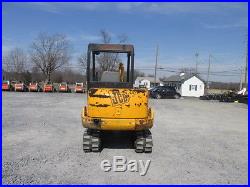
(156, 61)
(196, 67)
(246, 66)
(208, 70)
(241, 73)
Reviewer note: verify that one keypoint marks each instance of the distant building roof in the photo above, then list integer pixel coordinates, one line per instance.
(181, 78)
(151, 79)
(173, 78)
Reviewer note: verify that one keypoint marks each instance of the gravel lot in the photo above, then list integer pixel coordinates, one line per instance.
(195, 142)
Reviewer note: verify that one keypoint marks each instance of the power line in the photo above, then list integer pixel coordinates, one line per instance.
(227, 73)
(168, 69)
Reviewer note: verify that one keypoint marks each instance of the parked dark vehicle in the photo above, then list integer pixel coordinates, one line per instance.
(160, 92)
(227, 97)
(211, 97)
(243, 99)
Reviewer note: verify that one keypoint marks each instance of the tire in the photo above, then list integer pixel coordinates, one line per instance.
(176, 96)
(158, 96)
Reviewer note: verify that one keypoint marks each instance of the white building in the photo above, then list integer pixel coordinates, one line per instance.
(186, 85)
(146, 82)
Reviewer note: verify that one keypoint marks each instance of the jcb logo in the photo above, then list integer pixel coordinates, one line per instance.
(118, 98)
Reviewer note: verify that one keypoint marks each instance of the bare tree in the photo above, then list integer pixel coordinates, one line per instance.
(105, 61)
(138, 73)
(82, 61)
(36, 74)
(123, 38)
(15, 63)
(106, 37)
(49, 53)
(109, 61)
(150, 75)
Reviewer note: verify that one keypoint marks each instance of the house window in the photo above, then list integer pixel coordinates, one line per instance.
(192, 87)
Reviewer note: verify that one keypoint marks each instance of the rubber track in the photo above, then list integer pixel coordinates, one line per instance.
(143, 142)
(91, 141)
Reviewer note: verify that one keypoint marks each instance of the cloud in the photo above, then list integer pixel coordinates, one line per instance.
(90, 38)
(201, 8)
(86, 37)
(48, 7)
(83, 37)
(60, 7)
(157, 8)
(225, 26)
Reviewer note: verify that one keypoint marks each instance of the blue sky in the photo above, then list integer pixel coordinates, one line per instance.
(180, 30)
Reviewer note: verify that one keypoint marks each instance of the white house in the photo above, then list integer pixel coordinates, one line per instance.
(193, 87)
(186, 85)
(146, 82)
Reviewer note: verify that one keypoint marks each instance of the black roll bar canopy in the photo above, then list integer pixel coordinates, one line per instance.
(95, 49)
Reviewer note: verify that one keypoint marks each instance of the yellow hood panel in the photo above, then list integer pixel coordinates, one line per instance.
(117, 103)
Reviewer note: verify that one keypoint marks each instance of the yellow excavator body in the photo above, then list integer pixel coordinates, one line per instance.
(113, 103)
(117, 109)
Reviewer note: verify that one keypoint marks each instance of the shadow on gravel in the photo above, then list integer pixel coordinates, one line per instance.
(118, 140)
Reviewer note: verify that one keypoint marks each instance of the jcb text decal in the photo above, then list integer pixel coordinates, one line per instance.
(118, 98)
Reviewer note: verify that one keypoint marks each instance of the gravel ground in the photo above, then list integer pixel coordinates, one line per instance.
(195, 142)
